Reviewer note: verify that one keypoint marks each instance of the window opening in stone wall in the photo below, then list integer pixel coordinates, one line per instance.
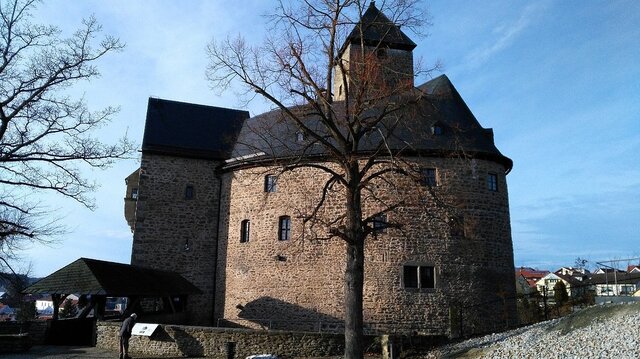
(418, 276)
(188, 192)
(270, 183)
(245, 228)
(492, 182)
(300, 136)
(284, 228)
(456, 226)
(380, 223)
(436, 130)
(428, 177)
(134, 193)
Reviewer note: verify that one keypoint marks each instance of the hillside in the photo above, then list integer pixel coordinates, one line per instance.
(610, 331)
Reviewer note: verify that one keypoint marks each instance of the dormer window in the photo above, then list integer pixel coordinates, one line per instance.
(436, 130)
(300, 136)
(381, 53)
(134, 193)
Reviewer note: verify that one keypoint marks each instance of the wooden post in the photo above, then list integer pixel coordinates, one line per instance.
(57, 300)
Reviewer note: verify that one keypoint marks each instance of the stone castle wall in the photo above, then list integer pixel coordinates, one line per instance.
(177, 233)
(185, 341)
(299, 283)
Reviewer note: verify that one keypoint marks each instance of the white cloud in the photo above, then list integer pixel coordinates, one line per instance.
(506, 34)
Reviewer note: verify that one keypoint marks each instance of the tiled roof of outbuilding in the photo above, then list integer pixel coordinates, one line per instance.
(92, 276)
(192, 130)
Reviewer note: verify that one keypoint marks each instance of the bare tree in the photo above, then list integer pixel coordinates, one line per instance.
(45, 134)
(352, 112)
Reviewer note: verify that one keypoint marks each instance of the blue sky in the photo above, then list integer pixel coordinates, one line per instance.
(558, 81)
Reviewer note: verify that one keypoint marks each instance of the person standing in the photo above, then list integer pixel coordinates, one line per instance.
(125, 335)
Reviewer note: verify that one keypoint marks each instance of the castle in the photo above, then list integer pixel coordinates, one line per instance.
(210, 203)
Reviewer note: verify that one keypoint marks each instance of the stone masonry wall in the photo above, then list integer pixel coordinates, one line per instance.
(177, 233)
(298, 284)
(178, 341)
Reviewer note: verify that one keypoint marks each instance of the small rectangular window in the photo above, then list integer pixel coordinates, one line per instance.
(270, 183)
(410, 277)
(380, 223)
(492, 182)
(428, 177)
(456, 226)
(134, 193)
(284, 228)
(188, 192)
(245, 228)
(418, 277)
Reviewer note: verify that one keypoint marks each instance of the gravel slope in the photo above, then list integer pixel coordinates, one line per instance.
(611, 331)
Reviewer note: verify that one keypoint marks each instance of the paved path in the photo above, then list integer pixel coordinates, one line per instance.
(64, 352)
(60, 352)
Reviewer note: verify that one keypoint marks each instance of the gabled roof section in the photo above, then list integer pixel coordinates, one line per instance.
(272, 135)
(186, 129)
(92, 276)
(375, 29)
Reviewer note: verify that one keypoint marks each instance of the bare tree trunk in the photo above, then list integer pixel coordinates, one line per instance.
(354, 273)
(354, 276)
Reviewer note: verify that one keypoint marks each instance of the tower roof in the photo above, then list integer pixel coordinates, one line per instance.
(374, 29)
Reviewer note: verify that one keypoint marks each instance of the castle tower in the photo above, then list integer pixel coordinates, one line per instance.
(376, 54)
(177, 194)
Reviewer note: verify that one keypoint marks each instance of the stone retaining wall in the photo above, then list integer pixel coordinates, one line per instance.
(173, 340)
(14, 343)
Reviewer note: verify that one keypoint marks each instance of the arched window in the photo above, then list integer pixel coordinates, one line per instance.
(284, 228)
(245, 230)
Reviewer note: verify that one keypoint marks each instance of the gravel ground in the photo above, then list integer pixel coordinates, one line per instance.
(611, 331)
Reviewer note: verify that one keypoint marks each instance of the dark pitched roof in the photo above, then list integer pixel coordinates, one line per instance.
(187, 129)
(619, 277)
(375, 29)
(92, 276)
(435, 103)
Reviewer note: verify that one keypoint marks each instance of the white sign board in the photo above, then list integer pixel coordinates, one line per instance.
(145, 329)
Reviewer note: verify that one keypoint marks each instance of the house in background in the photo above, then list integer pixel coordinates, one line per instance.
(7, 313)
(615, 283)
(530, 275)
(633, 268)
(548, 282)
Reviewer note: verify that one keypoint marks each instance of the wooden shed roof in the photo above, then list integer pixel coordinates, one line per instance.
(96, 277)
